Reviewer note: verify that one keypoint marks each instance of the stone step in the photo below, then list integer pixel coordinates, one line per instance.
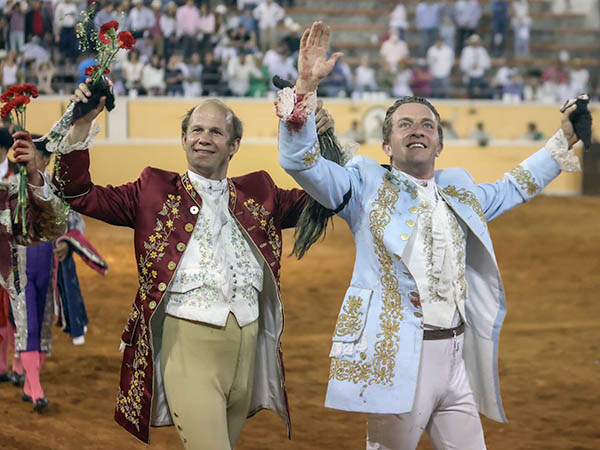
(375, 15)
(411, 5)
(373, 32)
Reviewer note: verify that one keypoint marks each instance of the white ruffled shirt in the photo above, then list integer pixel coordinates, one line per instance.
(218, 273)
(436, 256)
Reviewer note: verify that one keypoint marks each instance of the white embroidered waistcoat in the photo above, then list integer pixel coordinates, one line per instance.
(436, 258)
(218, 272)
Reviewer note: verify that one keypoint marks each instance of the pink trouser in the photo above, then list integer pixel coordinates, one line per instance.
(32, 362)
(444, 406)
(6, 343)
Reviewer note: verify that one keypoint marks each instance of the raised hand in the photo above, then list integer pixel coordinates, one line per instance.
(313, 65)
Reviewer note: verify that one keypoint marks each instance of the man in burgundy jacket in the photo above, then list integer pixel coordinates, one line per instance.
(202, 342)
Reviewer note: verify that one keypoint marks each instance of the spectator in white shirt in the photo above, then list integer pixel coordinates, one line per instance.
(239, 71)
(132, 70)
(440, 60)
(398, 20)
(474, 62)
(402, 81)
(191, 85)
(364, 76)
(279, 61)
(153, 77)
(66, 16)
(394, 49)
(268, 14)
(141, 19)
(580, 77)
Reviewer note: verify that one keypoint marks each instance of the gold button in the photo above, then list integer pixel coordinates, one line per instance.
(162, 287)
(418, 314)
(152, 304)
(410, 223)
(171, 265)
(189, 227)
(404, 237)
(181, 246)
(413, 209)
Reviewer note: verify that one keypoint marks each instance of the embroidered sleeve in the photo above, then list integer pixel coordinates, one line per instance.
(566, 159)
(294, 109)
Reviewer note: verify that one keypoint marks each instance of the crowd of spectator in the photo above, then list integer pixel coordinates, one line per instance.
(193, 47)
(185, 48)
(452, 60)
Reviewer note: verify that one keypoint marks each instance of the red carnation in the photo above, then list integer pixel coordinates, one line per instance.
(20, 101)
(15, 89)
(30, 89)
(90, 70)
(5, 97)
(126, 40)
(6, 110)
(112, 25)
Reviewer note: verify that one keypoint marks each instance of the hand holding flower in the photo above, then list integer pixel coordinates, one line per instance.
(25, 153)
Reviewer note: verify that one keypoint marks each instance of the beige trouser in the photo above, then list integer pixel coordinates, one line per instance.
(208, 373)
(444, 406)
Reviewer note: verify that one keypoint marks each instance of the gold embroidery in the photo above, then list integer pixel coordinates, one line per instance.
(188, 185)
(467, 198)
(133, 316)
(268, 226)
(130, 403)
(311, 156)
(157, 242)
(381, 371)
(525, 179)
(349, 322)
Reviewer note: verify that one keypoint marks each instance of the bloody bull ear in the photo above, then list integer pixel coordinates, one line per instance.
(280, 83)
(582, 121)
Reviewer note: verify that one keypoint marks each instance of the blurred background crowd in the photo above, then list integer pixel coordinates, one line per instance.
(437, 49)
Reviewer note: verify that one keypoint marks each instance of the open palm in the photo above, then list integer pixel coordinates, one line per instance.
(313, 65)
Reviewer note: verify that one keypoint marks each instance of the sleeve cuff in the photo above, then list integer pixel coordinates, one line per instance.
(294, 109)
(566, 159)
(43, 192)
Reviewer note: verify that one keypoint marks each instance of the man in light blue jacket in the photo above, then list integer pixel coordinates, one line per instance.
(425, 283)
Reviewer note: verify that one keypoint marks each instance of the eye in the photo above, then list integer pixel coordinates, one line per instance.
(404, 125)
(428, 125)
(217, 132)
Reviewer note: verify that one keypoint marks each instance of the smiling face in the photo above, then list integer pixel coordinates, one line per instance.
(207, 142)
(414, 140)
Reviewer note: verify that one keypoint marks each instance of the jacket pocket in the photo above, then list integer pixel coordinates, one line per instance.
(130, 327)
(353, 315)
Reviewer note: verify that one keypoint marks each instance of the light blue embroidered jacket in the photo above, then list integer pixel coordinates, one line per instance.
(381, 376)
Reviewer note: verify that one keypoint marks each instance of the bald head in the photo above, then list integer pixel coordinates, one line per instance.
(234, 124)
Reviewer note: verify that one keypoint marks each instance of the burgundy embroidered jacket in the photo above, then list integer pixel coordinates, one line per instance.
(162, 207)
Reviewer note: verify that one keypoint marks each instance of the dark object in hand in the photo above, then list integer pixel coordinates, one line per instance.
(98, 90)
(582, 121)
(313, 220)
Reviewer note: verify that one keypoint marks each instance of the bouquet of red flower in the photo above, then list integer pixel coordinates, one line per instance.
(15, 99)
(107, 43)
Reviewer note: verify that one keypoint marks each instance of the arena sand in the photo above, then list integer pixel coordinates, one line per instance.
(549, 256)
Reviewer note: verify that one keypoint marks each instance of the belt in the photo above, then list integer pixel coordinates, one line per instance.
(434, 335)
